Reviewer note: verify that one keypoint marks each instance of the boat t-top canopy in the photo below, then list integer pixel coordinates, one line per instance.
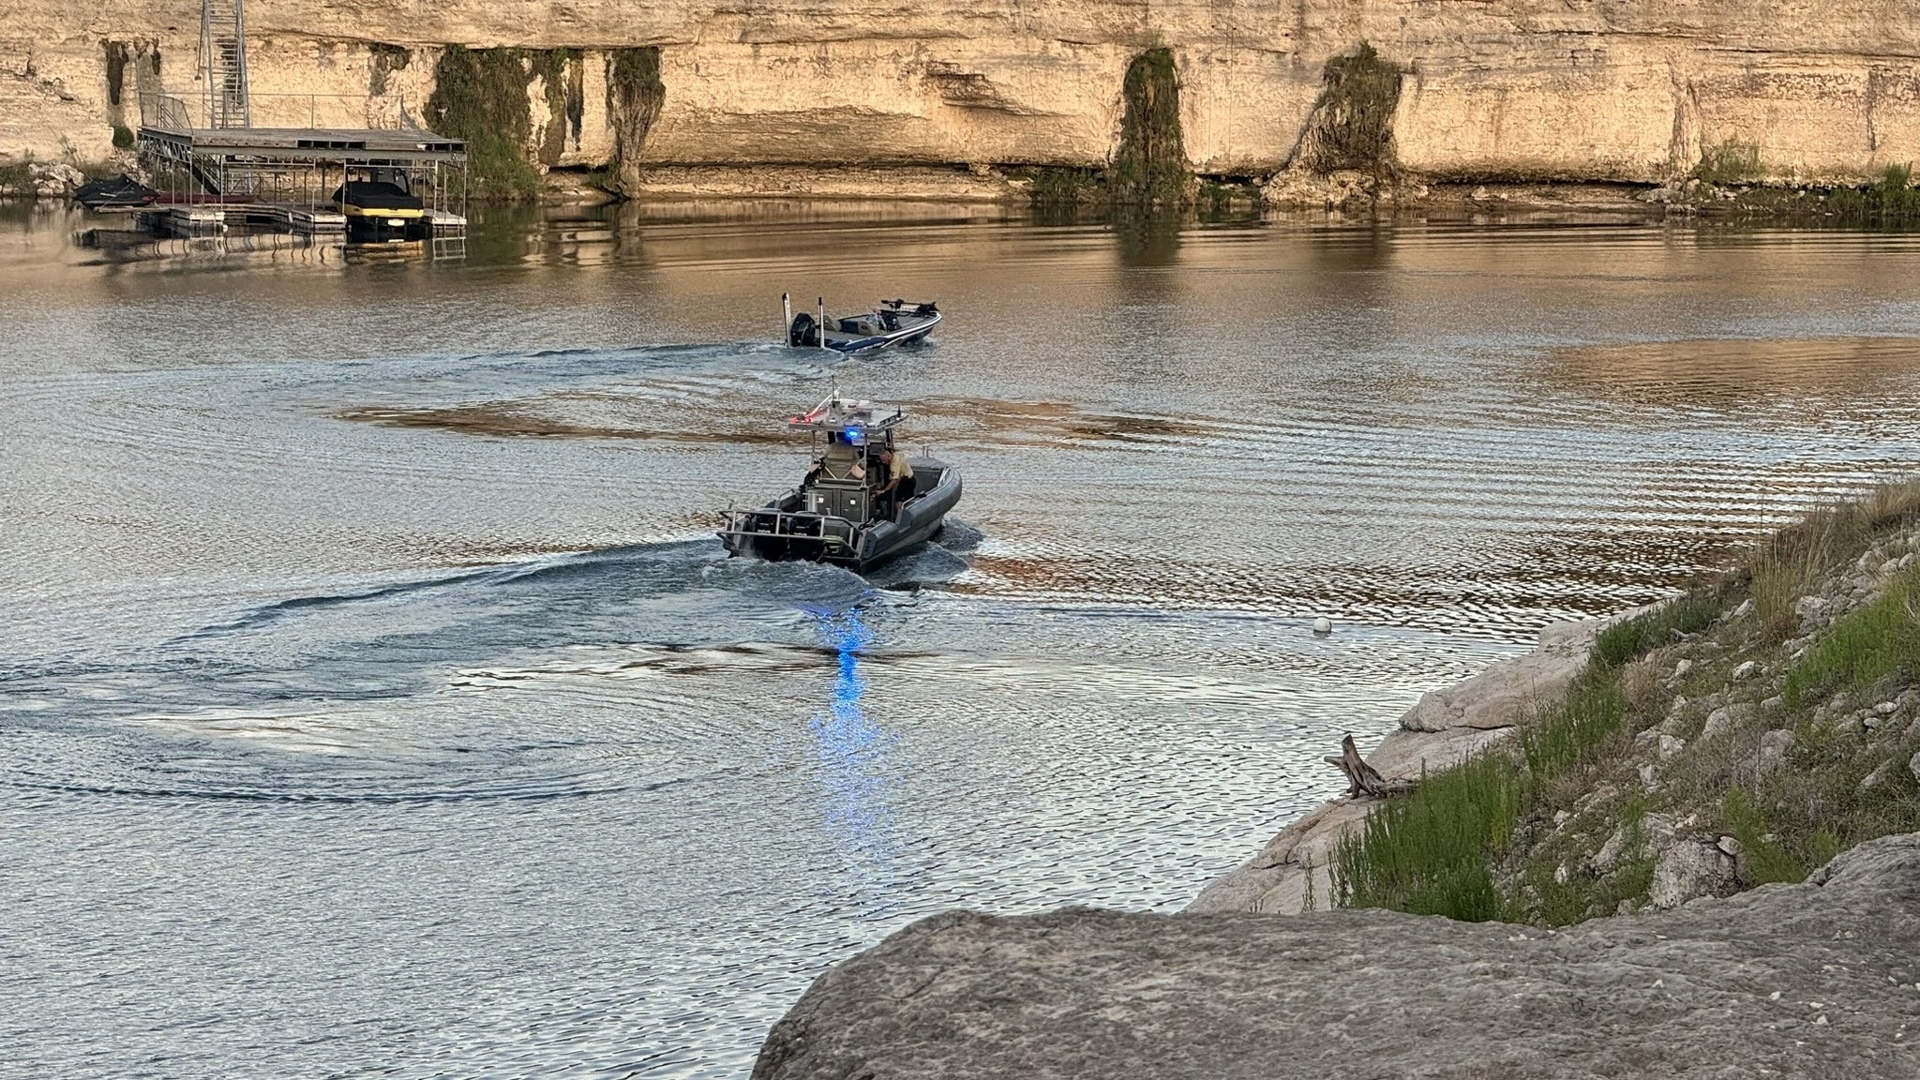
(853, 419)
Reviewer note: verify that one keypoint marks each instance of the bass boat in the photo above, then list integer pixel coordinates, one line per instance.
(891, 322)
(838, 513)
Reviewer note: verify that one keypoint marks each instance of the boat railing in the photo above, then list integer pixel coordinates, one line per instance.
(784, 523)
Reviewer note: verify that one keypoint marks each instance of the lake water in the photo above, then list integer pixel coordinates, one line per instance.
(374, 698)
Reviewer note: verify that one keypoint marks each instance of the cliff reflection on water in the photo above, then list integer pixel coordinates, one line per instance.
(374, 696)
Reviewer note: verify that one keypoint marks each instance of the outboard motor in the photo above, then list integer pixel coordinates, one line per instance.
(804, 332)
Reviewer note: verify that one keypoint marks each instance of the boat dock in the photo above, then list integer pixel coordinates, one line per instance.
(283, 179)
(215, 171)
(210, 174)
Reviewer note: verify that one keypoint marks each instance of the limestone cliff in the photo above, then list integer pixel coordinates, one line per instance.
(1575, 89)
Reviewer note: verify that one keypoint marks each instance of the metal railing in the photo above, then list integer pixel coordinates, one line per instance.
(165, 112)
(169, 113)
(782, 524)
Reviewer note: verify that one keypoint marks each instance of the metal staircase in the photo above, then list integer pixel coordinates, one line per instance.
(223, 42)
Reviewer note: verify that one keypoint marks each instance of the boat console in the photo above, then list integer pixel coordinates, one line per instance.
(831, 516)
(840, 498)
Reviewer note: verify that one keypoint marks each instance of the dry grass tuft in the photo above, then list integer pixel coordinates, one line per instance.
(1640, 684)
(1792, 561)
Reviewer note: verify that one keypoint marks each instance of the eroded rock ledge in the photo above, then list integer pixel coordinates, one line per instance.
(1785, 980)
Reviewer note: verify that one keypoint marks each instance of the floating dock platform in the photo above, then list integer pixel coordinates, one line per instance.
(213, 219)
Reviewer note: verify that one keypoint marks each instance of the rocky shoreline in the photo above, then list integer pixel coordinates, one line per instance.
(1724, 880)
(1340, 194)
(1713, 718)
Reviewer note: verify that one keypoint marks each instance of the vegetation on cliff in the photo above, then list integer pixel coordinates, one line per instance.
(1891, 200)
(1351, 126)
(1730, 179)
(1150, 167)
(481, 95)
(1346, 156)
(563, 79)
(383, 60)
(1744, 733)
(117, 58)
(1729, 162)
(16, 177)
(635, 96)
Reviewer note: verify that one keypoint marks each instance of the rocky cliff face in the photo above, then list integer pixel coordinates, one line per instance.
(1788, 980)
(1580, 89)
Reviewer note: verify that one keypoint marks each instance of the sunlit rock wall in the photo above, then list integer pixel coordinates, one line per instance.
(1576, 89)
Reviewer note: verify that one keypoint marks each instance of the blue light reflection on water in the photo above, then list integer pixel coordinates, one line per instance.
(858, 760)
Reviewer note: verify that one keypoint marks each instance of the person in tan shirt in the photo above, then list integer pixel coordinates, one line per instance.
(899, 484)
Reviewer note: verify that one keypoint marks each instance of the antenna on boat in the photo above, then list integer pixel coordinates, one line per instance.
(786, 310)
(822, 301)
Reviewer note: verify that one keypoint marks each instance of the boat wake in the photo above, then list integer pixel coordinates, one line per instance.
(417, 690)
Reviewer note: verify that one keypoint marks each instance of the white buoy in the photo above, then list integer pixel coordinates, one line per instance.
(1323, 625)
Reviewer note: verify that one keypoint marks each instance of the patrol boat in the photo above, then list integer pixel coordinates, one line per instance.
(890, 323)
(836, 514)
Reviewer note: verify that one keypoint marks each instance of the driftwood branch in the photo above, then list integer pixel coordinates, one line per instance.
(1362, 778)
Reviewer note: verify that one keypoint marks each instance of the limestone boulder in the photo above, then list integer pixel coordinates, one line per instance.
(1509, 689)
(1815, 979)
(1773, 750)
(1727, 718)
(1687, 870)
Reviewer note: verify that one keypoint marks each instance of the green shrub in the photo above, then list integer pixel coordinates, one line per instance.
(1766, 860)
(1793, 559)
(122, 137)
(1633, 878)
(1063, 186)
(1846, 202)
(1429, 853)
(1563, 733)
(17, 176)
(1629, 639)
(1730, 162)
(1893, 194)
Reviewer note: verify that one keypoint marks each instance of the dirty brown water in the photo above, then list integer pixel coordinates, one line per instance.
(375, 700)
